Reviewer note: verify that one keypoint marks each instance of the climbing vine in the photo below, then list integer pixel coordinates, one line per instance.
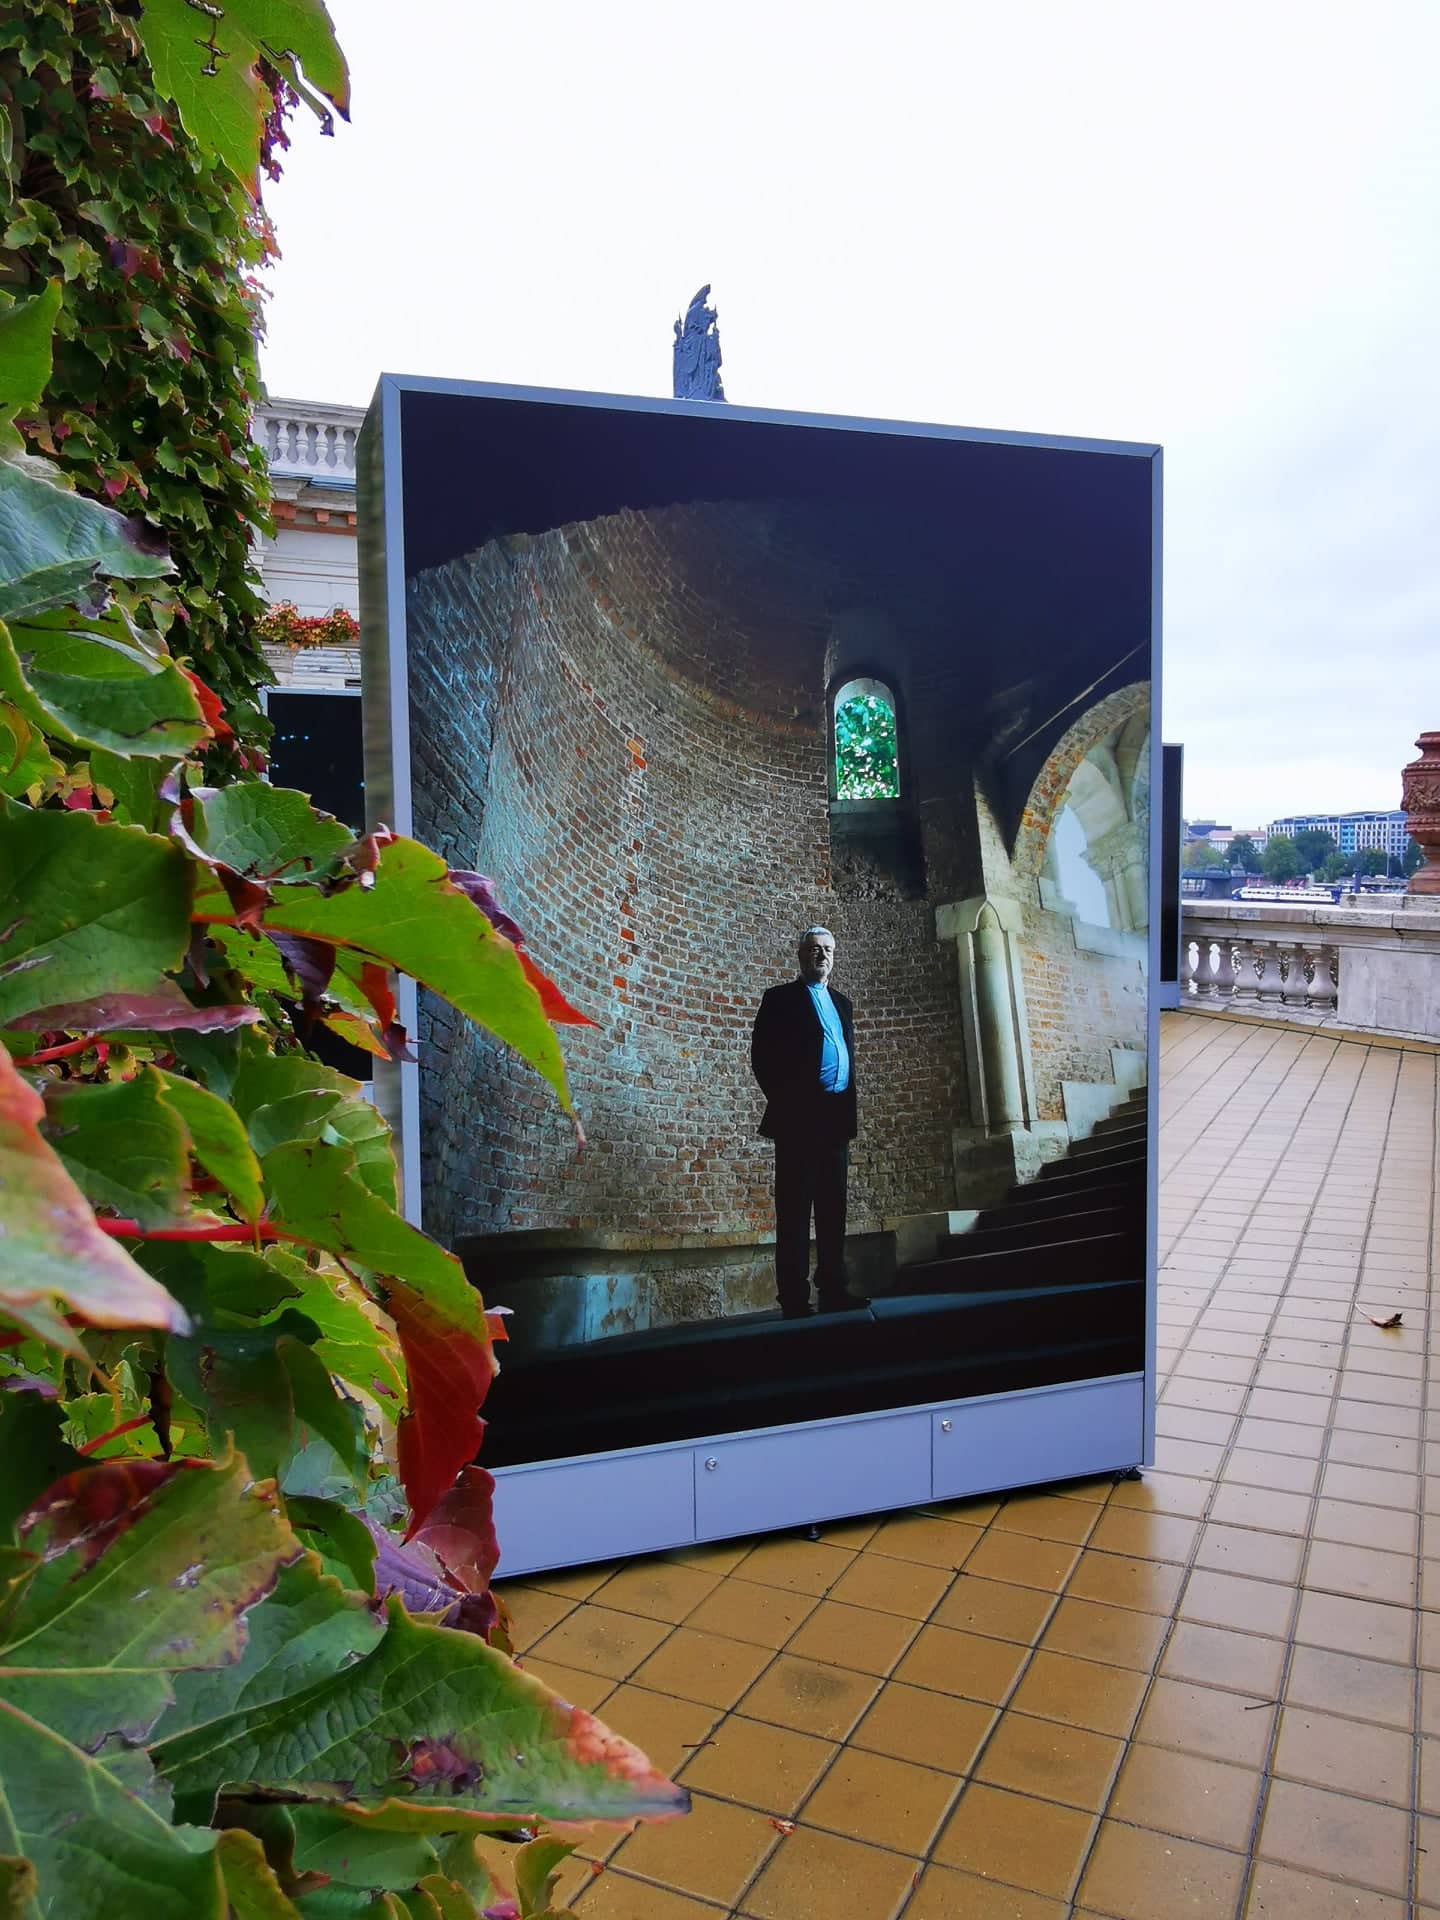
(251, 1667)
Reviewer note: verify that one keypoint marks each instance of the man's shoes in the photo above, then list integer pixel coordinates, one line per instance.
(843, 1303)
(801, 1310)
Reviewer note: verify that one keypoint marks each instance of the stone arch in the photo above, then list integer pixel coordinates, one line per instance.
(1047, 795)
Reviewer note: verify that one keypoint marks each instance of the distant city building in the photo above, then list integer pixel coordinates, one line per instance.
(1222, 837)
(1352, 832)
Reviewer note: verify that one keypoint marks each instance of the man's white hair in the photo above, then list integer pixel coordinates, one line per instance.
(807, 933)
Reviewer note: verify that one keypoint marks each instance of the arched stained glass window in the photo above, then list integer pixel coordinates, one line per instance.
(867, 762)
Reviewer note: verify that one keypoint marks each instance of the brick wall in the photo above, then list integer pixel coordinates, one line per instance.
(623, 725)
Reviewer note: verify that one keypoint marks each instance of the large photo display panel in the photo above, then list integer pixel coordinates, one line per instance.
(813, 758)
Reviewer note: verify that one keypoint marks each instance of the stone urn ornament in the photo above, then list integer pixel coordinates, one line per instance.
(1420, 797)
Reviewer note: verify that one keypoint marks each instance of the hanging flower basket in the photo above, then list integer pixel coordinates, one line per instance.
(283, 625)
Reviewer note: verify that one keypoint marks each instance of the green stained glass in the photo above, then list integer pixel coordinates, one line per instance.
(866, 765)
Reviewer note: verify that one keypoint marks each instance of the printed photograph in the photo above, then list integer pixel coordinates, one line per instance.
(814, 763)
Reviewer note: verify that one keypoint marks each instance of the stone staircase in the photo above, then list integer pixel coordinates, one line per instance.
(1082, 1219)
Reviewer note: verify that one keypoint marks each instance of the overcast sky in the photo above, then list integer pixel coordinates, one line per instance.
(1217, 228)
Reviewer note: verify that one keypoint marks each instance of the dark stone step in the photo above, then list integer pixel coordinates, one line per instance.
(1057, 1198)
(1087, 1260)
(997, 1230)
(1122, 1153)
(1130, 1136)
(1068, 1180)
(1122, 1120)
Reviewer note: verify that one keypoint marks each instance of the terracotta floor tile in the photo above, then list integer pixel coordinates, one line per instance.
(814, 1876)
(1365, 1572)
(1144, 1536)
(1356, 1626)
(800, 1566)
(744, 1610)
(823, 1700)
(712, 1852)
(856, 1534)
(1046, 1517)
(1015, 1838)
(1383, 1527)
(1375, 1450)
(968, 1664)
(1207, 1721)
(657, 1589)
(1282, 1472)
(668, 1730)
(1371, 1486)
(1081, 1693)
(1163, 1493)
(1212, 1656)
(703, 1666)
(869, 1796)
(1188, 1457)
(1181, 1793)
(1138, 1875)
(1210, 1396)
(597, 1640)
(1280, 1893)
(924, 1537)
(771, 1768)
(619, 1896)
(533, 1612)
(1427, 1861)
(1263, 1507)
(1112, 1579)
(855, 1637)
(931, 1729)
(1355, 1688)
(1018, 1560)
(1114, 1635)
(976, 1510)
(712, 1556)
(581, 1689)
(1193, 1423)
(903, 1587)
(1243, 1550)
(1336, 1836)
(995, 1607)
(572, 1583)
(945, 1894)
(1280, 1436)
(1374, 1762)
(1051, 1761)
(1231, 1600)
(1429, 1775)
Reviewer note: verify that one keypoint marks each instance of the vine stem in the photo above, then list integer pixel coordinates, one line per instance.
(64, 1051)
(126, 1426)
(222, 1230)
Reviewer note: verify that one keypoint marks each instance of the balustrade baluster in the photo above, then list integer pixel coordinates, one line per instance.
(1269, 986)
(1246, 992)
(1225, 969)
(1324, 989)
(1296, 991)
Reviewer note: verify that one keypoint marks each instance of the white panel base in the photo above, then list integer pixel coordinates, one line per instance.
(565, 1513)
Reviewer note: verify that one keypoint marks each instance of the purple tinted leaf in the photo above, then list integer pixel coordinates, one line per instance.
(310, 962)
(479, 889)
(164, 1009)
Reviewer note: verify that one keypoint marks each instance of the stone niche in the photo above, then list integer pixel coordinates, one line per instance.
(625, 722)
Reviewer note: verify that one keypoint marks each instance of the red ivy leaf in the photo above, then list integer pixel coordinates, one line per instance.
(449, 1364)
(210, 707)
(558, 1010)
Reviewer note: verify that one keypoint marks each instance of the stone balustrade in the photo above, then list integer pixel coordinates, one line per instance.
(1362, 967)
(305, 441)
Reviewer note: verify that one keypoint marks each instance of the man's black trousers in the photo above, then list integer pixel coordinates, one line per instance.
(810, 1179)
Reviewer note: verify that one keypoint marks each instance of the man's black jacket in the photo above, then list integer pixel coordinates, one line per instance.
(785, 1056)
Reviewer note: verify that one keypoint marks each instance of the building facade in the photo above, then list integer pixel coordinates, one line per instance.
(1353, 832)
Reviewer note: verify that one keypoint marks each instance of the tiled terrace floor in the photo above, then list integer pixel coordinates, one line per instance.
(1212, 1692)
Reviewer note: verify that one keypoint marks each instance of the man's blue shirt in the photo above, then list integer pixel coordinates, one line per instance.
(834, 1054)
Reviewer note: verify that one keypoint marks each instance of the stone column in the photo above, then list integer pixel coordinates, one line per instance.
(1117, 859)
(994, 1006)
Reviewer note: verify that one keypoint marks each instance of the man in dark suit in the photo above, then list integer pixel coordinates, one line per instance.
(802, 1052)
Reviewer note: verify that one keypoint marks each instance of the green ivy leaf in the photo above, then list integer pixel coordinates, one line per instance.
(431, 1731)
(24, 756)
(202, 1541)
(221, 99)
(268, 833)
(85, 909)
(125, 1146)
(25, 357)
(415, 920)
(355, 1341)
(92, 691)
(304, 1632)
(350, 1542)
(57, 1261)
(217, 1139)
(54, 543)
